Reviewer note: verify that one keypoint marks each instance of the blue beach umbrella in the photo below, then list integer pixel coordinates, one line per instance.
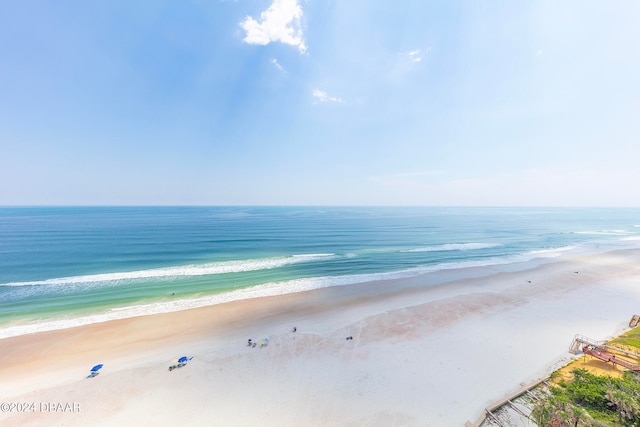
(183, 359)
(97, 368)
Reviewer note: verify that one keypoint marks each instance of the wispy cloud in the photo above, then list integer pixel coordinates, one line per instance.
(281, 22)
(277, 65)
(322, 96)
(417, 55)
(561, 186)
(414, 55)
(403, 176)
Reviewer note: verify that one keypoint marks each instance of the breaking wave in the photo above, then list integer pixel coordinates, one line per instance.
(207, 269)
(269, 289)
(454, 247)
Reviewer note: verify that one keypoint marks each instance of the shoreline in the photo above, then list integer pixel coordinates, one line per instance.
(432, 354)
(437, 274)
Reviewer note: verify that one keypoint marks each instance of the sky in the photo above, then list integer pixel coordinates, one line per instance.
(320, 102)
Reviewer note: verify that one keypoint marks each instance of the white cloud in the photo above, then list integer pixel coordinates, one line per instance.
(414, 56)
(281, 22)
(277, 65)
(322, 96)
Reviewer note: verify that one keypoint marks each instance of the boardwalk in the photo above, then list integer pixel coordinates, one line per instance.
(599, 353)
(580, 343)
(491, 414)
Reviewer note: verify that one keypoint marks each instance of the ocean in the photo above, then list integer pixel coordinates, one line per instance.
(69, 266)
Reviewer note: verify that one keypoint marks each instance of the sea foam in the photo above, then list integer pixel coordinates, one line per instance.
(454, 247)
(268, 289)
(206, 269)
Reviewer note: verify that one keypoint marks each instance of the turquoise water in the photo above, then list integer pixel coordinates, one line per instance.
(76, 265)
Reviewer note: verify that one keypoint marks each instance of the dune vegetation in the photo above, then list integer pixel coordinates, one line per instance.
(590, 398)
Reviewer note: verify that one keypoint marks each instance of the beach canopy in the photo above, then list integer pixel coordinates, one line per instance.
(183, 359)
(97, 368)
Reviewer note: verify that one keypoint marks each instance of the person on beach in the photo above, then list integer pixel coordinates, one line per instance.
(349, 338)
(249, 342)
(294, 329)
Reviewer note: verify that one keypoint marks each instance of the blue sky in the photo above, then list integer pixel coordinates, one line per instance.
(320, 102)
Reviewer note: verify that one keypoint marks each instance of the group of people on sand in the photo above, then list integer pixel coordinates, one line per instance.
(175, 364)
(265, 341)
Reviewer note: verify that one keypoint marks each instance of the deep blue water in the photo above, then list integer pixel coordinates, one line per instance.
(60, 263)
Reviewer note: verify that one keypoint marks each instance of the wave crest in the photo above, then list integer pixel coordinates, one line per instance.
(455, 247)
(222, 267)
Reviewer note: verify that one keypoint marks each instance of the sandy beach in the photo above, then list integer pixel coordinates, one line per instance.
(421, 355)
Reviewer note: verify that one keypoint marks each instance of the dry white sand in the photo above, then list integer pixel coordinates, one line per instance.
(420, 355)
